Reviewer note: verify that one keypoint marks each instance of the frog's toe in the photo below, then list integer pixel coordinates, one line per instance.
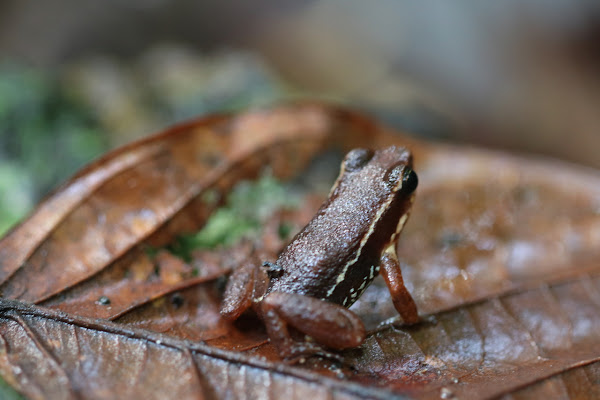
(301, 351)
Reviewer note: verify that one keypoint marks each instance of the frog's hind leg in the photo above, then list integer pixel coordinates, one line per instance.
(327, 323)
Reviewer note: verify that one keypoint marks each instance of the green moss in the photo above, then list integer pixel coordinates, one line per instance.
(15, 194)
(52, 123)
(248, 207)
(45, 136)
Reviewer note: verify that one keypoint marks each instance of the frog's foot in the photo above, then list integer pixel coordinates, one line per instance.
(298, 352)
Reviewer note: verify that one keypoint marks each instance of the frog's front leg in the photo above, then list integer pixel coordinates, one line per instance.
(327, 323)
(403, 301)
(245, 284)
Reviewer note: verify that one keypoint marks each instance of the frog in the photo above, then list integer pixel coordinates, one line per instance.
(330, 262)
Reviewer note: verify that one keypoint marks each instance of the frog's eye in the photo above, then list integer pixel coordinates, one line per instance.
(409, 180)
(356, 159)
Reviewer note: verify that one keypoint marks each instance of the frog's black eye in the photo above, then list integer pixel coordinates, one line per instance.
(409, 181)
(357, 159)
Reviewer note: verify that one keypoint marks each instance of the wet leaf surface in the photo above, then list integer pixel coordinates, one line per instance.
(500, 254)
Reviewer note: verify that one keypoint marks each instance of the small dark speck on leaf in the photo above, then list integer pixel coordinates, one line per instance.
(177, 300)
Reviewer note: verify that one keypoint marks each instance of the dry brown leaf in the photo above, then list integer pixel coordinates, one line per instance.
(500, 254)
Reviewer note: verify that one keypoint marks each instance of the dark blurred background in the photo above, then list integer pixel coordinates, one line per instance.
(78, 77)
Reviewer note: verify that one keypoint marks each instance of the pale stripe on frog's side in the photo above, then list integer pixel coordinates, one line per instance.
(340, 278)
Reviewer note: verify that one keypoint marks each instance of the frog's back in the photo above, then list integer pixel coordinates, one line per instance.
(317, 256)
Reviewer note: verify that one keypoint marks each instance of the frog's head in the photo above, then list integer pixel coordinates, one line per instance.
(386, 172)
(382, 184)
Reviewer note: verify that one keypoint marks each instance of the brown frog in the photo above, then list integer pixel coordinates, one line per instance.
(331, 261)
